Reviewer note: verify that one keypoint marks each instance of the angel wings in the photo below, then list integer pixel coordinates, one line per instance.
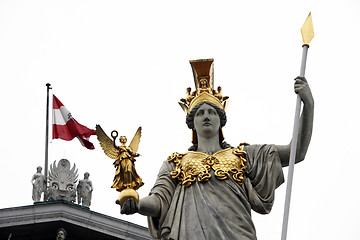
(109, 146)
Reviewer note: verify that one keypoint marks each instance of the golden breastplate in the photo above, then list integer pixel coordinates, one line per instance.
(226, 163)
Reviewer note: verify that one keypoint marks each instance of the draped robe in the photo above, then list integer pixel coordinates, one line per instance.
(217, 209)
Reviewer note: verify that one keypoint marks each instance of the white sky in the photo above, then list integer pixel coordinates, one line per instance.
(124, 64)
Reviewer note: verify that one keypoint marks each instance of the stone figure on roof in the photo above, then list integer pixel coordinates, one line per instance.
(39, 184)
(84, 190)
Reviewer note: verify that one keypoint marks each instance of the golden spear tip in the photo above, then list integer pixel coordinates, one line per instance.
(307, 30)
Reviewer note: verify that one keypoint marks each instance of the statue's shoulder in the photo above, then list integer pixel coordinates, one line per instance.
(176, 157)
(242, 146)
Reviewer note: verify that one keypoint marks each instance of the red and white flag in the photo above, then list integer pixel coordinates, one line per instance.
(66, 127)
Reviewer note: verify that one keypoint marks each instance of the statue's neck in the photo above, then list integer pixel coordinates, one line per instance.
(208, 145)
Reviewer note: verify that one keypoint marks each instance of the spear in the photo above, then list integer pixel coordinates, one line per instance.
(307, 32)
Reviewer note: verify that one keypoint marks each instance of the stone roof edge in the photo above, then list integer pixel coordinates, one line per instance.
(69, 212)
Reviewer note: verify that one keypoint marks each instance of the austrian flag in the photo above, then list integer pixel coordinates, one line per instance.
(67, 128)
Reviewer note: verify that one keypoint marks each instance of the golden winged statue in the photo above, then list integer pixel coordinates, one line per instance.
(126, 179)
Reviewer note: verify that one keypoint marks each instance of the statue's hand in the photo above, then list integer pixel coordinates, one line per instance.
(302, 88)
(129, 207)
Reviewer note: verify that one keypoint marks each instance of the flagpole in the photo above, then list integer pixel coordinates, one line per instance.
(307, 32)
(48, 85)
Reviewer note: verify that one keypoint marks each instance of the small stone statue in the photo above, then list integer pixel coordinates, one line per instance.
(84, 190)
(39, 184)
(61, 234)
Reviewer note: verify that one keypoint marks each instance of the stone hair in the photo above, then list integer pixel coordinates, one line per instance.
(191, 115)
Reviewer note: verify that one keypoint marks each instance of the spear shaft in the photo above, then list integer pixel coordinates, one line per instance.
(293, 151)
(308, 33)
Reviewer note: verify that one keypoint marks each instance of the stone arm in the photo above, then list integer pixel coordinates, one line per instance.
(158, 201)
(148, 206)
(91, 186)
(302, 88)
(78, 189)
(33, 179)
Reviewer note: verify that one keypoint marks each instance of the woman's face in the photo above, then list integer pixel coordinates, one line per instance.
(60, 235)
(123, 139)
(206, 121)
